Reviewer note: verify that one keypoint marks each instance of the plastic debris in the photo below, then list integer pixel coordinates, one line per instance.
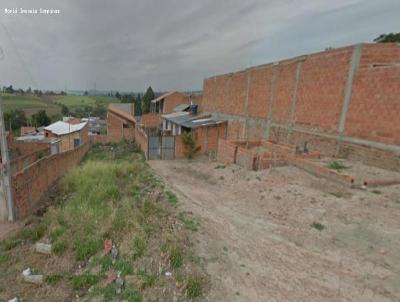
(119, 282)
(27, 272)
(114, 252)
(168, 274)
(15, 299)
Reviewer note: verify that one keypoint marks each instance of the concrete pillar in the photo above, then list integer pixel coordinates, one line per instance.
(272, 84)
(246, 107)
(353, 67)
(294, 101)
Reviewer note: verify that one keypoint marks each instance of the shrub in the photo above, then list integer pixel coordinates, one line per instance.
(190, 144)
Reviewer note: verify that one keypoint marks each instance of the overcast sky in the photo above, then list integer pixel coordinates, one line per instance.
(173, 44)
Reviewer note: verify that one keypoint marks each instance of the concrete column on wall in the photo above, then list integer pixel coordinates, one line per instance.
(246, 107)
(275, 70)
(353, 68)
(294, 99)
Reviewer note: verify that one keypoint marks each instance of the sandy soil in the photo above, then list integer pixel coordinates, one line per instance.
(6, 229)
(258, 243)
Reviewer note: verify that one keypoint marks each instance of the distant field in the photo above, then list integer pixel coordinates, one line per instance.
(32, 104)
(73, 101)
(29, 104)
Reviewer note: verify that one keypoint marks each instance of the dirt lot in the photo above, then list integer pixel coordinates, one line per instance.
(284, 235)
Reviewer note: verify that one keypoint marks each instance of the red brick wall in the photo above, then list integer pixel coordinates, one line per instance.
(319, 97)
(321, 89)
(30, 184)
(119, 128)
(24, 148)
(24, 161)
(173, 100)
(142, 140)
(150, 120)
(375, 104)
(226, 151)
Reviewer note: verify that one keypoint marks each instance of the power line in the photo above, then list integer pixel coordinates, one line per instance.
(24, 65)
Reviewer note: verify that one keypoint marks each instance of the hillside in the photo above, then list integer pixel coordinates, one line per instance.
(112, 195)
(31, 104)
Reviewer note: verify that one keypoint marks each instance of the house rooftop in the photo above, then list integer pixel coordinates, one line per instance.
(163, 96)
(187, 120)
(62, 128)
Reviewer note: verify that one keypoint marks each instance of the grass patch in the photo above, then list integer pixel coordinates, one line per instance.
(124, 267)
(59, 247)
(175, 254)
(194, 287)
(84, 281)
(4, 258)
(53, 279)
(318, 226)
(188, 223)
(335, 165)
(112, 194)
(376, 192)
(171, 197)
(85, 248)
(139, 246)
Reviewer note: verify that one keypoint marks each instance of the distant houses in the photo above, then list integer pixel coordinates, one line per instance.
(70, 136)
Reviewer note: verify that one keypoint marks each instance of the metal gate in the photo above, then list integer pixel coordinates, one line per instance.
(161, 147)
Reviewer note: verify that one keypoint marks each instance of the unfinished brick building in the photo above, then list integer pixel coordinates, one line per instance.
(342, 102)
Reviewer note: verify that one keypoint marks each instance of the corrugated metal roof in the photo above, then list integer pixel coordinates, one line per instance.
(62, 128)
(187, 120)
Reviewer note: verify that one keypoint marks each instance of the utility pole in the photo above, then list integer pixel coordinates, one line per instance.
(6, 170)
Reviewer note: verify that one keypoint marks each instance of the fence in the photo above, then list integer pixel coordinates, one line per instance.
(30, 184)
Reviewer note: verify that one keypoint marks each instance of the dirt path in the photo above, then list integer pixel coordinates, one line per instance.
(7, 228)
(259, 245)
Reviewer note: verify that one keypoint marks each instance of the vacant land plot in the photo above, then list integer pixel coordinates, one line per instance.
(284, 235)
(29, 104)
(113, 198)
(73, 101)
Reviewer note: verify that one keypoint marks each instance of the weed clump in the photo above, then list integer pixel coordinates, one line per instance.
(194, 287)
(190, 144)
(335, 165)
(318, 226)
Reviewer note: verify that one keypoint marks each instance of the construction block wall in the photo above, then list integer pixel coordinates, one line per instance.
(336, 100)
(31, 183)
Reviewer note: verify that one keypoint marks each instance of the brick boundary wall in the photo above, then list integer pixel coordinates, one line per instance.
(30, 184)
(98, 139)
(24, 161)
(343, 102)
(142, 140)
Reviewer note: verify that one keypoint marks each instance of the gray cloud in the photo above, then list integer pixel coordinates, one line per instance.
(174, 44)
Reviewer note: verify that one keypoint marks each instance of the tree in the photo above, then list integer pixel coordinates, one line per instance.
(86, 93)
(388, 38)
(41, 118)
(64, 110)
(15, 119)
(99, 111)
(118, 95)
(146, 100)
(138, 105)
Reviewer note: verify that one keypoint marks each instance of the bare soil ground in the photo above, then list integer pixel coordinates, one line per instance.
(285, 235)
(6, 229)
